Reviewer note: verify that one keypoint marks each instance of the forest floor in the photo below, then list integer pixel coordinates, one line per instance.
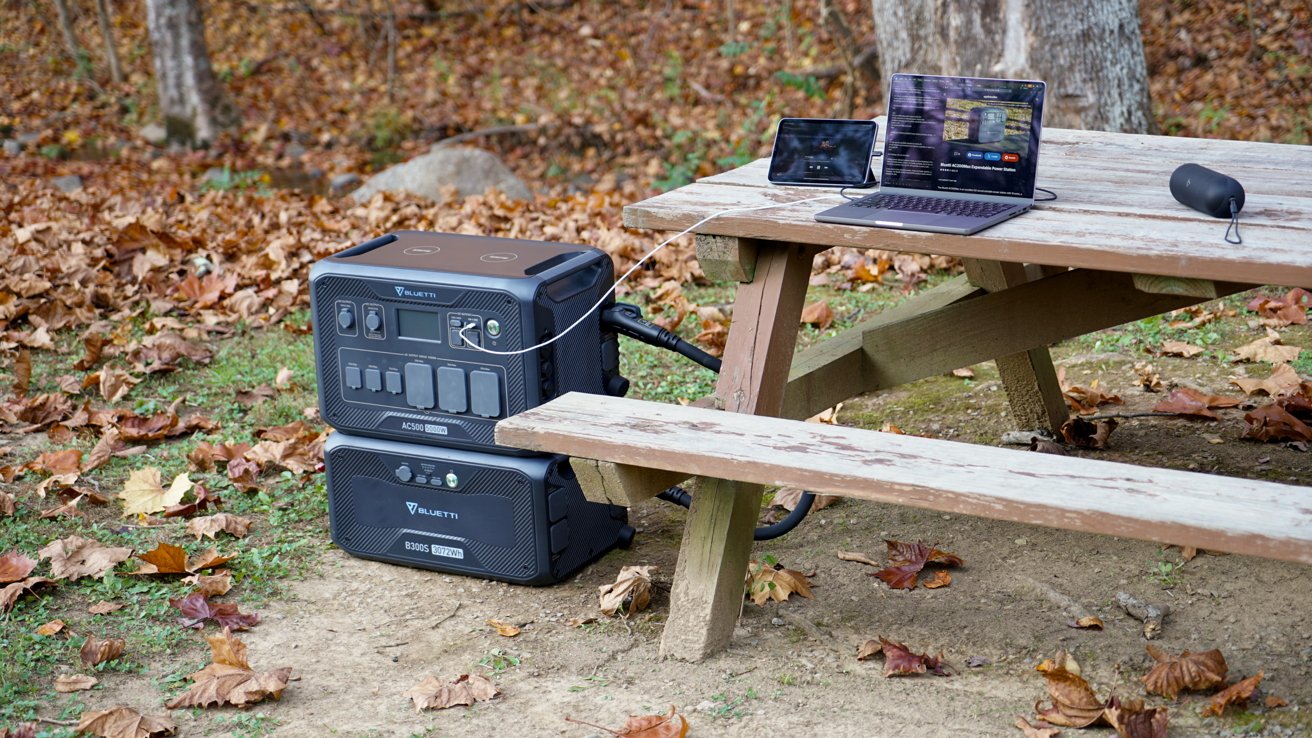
(156, 317)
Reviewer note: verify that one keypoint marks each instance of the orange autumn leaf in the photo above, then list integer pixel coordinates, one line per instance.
(1236, 694)
(1173, 674)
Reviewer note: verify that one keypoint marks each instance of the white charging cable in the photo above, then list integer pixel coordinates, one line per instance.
(625, 276)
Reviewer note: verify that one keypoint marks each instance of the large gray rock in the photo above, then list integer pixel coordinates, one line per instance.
(67, 183)
(469, 170)
(154, 134)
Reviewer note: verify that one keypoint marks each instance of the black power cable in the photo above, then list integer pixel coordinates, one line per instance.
(627, 320)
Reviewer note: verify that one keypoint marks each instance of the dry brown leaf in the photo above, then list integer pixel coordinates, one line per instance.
(788, 497)
(10, 593)
(1081, 433)
(1180, 348)
(125, 722)
(1063, 661)
(941, 578)
(95, 651)
(629, 593)
(75, 683)
(144, 494)
(8, 506)
(283, 380)
(15, 566)
(1045, 446)
(435, 694)
(1272, 702)
(765, 582)
(211, 525)
(1074, 703)
(1085, 400)
(818, 314)
(1149, 379)
(672, 725)
(1274, 423)
(211, 585)
(869, 649)
(229, 680)
(1283, 380)
(1237, 693)
(1042, 730)
(1088, 622)
(1268, 349)
(1132, 720)
(908, 559)
(57, 463)
(1173, 674)
(115, 384)
(964, 372)
(103, 607)
(166, 558)
(902, 661)
(50, 628)
(74, 557)
(503, 628)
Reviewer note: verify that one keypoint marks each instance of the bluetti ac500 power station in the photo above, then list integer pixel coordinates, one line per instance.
(414, 476)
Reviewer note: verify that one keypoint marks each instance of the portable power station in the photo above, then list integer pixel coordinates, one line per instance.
(986, 125)
(517, 519)
(397, 318)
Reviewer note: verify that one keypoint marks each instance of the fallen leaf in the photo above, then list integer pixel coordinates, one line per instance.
(7, 504)
(902, 661)
(1149, 379)
(1045, 446)
(202, 499)
(434, 694)
(103, 607)
(125, 722)
(1237, 693)
(1282, 311)
(1132, 720)
(1088, 622)
(629, 593)
(211, 585)
(22, 371)
(11, 592)
(1086, 400)
(941, 578)
(15, 565)
(1190, 403)
(1063, 661)
(1272, 702)
(1268, 349)
(229, 680)
(196, 609)
(95, 651)
(672, 725)
(766, 582)
(283, 380)
(869, 649)
(908, 559)
(115, 384)
(166, 558)
(788, 497)
(244, 474)
(56, 463)
(1275, 423)
(1081, 433)
(211, 525)
(1042, 730)
(144, 494)
(1283, 380)
(964, 372)
(75, 683)
(1180, 348)
(504, 628)
(580, 622)
(1074, 703)
(50, 628)
(818, 314)
(1172, 674)
(74, 557)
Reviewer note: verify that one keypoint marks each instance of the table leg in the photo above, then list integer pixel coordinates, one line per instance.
(707, 594)
(1028, 376)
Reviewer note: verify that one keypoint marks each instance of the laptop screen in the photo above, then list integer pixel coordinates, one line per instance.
(963, 134)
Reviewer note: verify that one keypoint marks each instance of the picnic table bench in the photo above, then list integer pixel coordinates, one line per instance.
(1114, 248)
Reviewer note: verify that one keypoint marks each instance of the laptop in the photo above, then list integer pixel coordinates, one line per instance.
(960, 155)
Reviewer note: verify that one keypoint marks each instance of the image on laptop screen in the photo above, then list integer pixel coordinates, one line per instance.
(963, 134)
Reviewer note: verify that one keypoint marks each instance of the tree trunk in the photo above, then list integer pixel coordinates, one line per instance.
(191, 100)
(1090, 54)
(111, 53)
(70, 39)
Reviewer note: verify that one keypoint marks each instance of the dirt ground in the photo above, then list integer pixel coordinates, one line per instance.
(359, 634)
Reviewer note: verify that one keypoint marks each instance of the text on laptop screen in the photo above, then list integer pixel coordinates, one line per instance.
(961, 134)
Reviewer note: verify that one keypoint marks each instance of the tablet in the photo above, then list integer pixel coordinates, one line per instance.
(823, 152)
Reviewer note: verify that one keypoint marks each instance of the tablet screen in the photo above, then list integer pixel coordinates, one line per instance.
(815, 151)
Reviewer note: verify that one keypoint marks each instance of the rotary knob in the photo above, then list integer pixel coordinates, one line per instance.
(373, 321)
(404, 473)
(346, 318)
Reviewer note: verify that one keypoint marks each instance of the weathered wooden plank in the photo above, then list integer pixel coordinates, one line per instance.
(1201, 288)
(622, 484)
(1029, 378)
(707, 594)
(726, 258)
(834, 369)
(1184, 508)
(1017, 319)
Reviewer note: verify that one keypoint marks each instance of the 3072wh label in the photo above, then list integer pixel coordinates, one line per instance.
(435, 550)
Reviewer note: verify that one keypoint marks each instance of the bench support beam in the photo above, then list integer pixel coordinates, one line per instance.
(707, 594)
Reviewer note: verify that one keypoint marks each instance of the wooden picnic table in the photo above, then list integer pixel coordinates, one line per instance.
(1114, 247)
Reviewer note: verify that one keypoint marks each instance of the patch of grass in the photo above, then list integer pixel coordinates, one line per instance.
(252, 180)
(498, 660)
(251, 725)
(592, 682)
(731, 708)
(1246, 723)
(1167, 574)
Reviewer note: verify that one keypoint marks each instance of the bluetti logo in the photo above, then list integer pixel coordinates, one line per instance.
(416, 509)
(407, 292)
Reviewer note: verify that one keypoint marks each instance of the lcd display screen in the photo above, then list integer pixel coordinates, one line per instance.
(813, 151)
(419, 325)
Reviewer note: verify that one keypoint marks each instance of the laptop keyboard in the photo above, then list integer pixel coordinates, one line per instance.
(936, 205)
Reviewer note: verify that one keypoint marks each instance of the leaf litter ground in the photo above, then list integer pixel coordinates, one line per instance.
(152, 271)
